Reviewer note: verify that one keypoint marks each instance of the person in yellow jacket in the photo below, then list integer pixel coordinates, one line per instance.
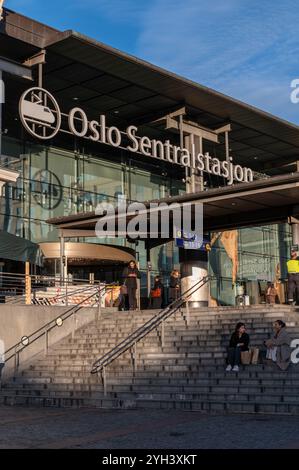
(293, 278)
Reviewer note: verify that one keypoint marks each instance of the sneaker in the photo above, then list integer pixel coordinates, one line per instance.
(236, 369)
(229, 368)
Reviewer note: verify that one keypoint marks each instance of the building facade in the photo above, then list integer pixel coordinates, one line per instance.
(70, 174)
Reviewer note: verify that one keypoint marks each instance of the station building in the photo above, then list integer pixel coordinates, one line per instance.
(83, 123)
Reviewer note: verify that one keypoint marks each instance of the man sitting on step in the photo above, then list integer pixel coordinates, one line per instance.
(239, 342)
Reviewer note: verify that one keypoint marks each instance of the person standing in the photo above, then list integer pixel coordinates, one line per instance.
(130, 275)
(271, 293)
(239, 342)
(293, 278)
(157, 293)
(174, 285)
(123, 298)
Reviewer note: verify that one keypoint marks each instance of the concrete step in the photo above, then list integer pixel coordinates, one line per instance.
(162, 395)
(213, 406)
(155, 388)
(187, 373)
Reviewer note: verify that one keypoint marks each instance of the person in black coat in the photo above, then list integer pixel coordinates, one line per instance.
(239, 341)
(130, 275)
(174, 285)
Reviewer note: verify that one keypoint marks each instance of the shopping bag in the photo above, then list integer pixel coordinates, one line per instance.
(246, 357)
(156, 293)
(255, 355)
(124, 289)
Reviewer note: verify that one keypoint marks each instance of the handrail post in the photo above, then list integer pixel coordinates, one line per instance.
(162, 334)
(66, 294)
(187, 312)
(74, 326)
(46, 341)
(16, 360)
(99, 308)
(134, 356)
(104, 379)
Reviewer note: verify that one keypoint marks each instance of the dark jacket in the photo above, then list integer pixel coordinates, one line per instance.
(236, 340)
(174, 282)
(131, 282)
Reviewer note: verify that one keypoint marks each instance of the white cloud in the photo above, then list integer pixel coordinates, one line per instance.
(247, 49)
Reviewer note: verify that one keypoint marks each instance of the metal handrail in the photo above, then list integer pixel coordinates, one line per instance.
(34, 289)
(58, 297)
(12, 285)
(14, 351)
(145, 329)
(44, 278)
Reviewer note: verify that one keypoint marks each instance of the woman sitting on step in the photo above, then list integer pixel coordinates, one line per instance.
(278, 347)
(239, 342)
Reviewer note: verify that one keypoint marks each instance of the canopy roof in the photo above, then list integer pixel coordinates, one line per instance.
(88, 251)
(19, 249)
(261, 202)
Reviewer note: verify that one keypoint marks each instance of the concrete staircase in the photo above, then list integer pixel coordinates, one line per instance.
(188, 373)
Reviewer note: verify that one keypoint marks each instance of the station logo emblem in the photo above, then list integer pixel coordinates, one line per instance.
(40, 113)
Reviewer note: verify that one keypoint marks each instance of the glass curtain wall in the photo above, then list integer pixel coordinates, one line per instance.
(250, 257)
(56, 182)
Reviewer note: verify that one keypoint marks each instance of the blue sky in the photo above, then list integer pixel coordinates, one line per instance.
(247, 49)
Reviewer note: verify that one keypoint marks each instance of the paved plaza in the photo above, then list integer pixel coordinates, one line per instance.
(34, 428)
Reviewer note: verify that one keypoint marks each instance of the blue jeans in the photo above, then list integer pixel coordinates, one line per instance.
(234, 356)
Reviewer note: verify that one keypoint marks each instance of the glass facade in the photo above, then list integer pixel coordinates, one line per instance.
(250, 257)
(56, 182)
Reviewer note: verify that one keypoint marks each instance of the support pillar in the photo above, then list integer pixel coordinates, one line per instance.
(194, 263)
(194, 266)
(295, 234)
(62, 258)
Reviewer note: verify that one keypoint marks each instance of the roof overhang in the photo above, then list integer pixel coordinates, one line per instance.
(262, 202)
(171, 89)
(87, 251)
(7, 176)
